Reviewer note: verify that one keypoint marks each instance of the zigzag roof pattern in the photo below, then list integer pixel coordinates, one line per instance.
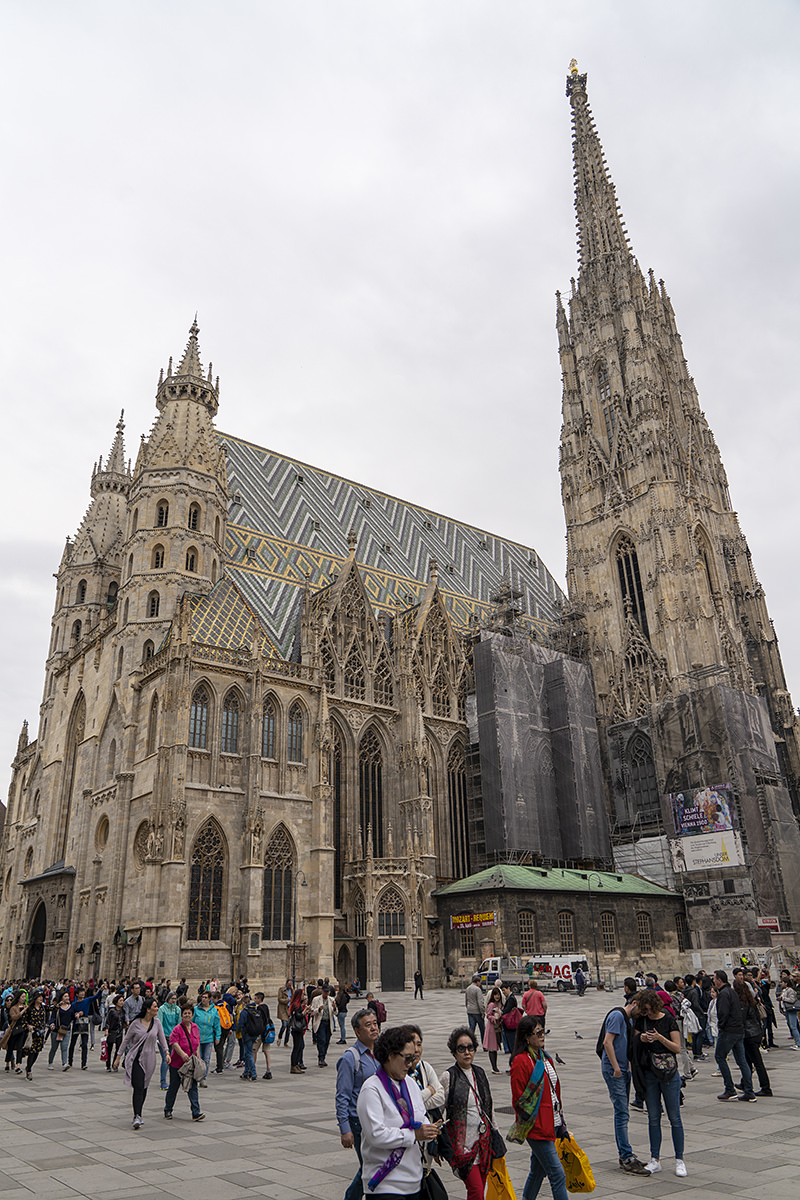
(288, 528)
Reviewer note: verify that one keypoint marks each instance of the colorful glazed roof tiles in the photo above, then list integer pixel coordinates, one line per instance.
(289, 524)
(224, 618)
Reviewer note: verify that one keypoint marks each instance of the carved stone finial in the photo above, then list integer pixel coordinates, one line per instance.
(573, 66)
(351, 541)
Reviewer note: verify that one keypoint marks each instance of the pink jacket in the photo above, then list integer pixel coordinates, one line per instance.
(190, 1045)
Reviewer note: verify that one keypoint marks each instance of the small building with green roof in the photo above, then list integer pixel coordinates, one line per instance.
(621, 922)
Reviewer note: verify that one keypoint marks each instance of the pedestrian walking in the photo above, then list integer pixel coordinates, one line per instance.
(656, 1045)
(468, 1113)
(536, 1096)
(753, 1033)
(297, 1028)
(731, 1040)
(80, 1027)
(323, 1019)
(184, 1044)
(342, 1001)
(169, 1014)
(789, 1005)
(493, 1034)
(356, 1065)
(475, 1004)
(34, 1018)
(284, 998)
(418, 984)
(509, 1017)
(115, 1030)
(138, 1047)
(207, 1021)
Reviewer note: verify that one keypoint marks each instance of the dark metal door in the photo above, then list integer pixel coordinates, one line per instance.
(393, 967)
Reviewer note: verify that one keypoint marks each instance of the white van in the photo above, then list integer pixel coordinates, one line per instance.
(557, 970)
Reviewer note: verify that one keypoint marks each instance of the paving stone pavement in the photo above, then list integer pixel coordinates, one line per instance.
(68, 1134)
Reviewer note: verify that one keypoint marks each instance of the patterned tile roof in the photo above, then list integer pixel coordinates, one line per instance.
(289, 521)
(224, 618)
(515, 877)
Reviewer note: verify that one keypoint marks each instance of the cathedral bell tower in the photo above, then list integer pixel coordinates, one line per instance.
(657, 564)
(177, 506)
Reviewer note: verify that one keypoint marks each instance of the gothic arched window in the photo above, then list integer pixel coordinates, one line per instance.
(630, 583)
(384, 686)
(81, 598)
(158, 557)
(278, 887)
(639, 755)
(192, 559)
(153, 604)
(111, 761)
(230, 724)
(339, 822)
(152, 725)
(391, 914)
(162, 514)
(194, 516)
(148, 650)
(76, 631)
(268, 730)
(354, 686)
(440, 694)
(457, 810)
(295, 733)
(198, 720)
(206, 885)
(370, 789)
(111, 596)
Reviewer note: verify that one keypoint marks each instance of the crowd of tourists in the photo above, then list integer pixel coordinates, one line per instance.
(402, 1117)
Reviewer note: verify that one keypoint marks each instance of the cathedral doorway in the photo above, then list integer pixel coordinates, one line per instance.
(344, 966)
(393, 967)
(33, 970)
(361, 964)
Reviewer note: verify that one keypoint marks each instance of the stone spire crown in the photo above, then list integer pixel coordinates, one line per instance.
(602, 237)
(115, 476)
(187, 381)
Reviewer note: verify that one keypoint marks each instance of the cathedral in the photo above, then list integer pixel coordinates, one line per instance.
(284, 713)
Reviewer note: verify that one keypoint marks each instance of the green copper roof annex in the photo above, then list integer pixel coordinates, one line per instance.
(514, 877)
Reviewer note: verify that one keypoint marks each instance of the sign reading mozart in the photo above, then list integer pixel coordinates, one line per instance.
(472, 920)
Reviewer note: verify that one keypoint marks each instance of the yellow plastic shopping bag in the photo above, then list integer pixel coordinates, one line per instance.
(576, 1165)
(498, 1185)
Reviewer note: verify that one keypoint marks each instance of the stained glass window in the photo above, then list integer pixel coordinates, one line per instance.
(278, 881)
(391, 914)
(206, 885)
(339, 829)
(370, 786)
(457, 808)
(230, 724)
(198, 720)
(295, 733)
(268, 730)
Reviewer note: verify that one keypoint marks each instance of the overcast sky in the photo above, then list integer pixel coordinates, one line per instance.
(369, 204)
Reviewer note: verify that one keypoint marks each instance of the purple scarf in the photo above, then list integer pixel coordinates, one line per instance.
(406, 1110)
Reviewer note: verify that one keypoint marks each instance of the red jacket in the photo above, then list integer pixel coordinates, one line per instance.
(521, 1068)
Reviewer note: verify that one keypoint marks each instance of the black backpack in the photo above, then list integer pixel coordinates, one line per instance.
(255, 1023)
(599, 1047)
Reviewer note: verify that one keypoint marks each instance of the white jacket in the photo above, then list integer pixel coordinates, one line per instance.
(381, 1134)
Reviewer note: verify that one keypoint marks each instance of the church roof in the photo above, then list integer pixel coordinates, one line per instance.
(224, 618)
(516, 877)
(288, 526)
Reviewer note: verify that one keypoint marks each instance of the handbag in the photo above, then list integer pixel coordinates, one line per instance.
(576, 1165)
(497, 1143)
(103, 1049)
(498, 1184)
(512, 1019)
(663, 1064)
(432, 1187)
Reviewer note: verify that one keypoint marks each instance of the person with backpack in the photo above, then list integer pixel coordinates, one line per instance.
(377, 1007)
(323, 1019)
(267, 1038)
(225, 1012)
(356, 1064)
(251, 1026)
(612, 1049)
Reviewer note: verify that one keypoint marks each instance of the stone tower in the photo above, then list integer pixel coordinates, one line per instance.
(657, 565)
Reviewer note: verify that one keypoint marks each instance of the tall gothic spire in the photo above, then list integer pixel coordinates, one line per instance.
(601, 231)
(190, 363)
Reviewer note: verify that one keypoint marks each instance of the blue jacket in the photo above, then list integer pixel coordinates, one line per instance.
(207, 1021)
(349, 1079)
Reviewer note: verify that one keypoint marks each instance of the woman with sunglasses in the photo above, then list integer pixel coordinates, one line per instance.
(536, 1096)
(468, 1112)
(393, 1121)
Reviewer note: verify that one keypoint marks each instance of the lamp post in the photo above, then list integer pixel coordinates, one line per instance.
(297, 875)
(591, 918)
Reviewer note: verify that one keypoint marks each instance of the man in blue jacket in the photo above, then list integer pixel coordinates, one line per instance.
(355, 1065)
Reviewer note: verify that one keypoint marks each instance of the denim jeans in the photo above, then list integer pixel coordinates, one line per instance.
(323, 1039)
(164, 1067)
(792, 1022)
(670, 1089)
(247, 1055)
(175, 1087)
(725, 1044)
(356, 1188)
(205, 1053)
(545, 1162)
(474, 1019)
(619, 1090)
(55, 1043)
(343, 1025)
(84, 1040)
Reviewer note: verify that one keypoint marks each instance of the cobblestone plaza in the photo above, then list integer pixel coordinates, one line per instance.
(69, 1135)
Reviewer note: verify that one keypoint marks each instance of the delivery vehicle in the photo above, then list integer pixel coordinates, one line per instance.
(551, 971)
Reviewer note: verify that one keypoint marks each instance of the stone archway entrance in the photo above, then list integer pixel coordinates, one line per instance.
(344, 967)
(361, 964)
(393, 967)
(33, 968)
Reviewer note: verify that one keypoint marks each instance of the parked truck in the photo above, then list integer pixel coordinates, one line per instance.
(553, 972)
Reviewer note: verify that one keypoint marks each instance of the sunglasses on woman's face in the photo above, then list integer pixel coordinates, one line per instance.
(465, 1048)
(408, 1059)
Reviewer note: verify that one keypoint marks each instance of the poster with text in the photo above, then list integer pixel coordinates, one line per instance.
(706, 852)
(699, 811)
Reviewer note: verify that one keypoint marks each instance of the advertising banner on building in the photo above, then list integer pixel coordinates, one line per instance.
(706, 851)
(472, 920)
(704, 810)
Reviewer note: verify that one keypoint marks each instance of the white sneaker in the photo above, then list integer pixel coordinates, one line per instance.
(137, 1122)
(680, 1168)
(653, 1166)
